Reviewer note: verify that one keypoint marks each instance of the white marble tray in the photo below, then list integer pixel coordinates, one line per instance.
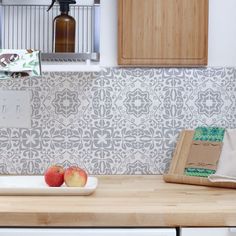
(35, 185)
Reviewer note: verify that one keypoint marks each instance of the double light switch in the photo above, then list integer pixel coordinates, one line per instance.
(15, 109)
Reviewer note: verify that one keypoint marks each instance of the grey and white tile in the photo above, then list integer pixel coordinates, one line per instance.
(117, 121)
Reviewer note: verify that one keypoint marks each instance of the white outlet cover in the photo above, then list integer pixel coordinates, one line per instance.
(15, 109)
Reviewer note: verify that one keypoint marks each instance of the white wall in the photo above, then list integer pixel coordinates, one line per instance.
(222, 33)
(109, 32)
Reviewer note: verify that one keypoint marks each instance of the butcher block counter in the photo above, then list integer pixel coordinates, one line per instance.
(125, 201)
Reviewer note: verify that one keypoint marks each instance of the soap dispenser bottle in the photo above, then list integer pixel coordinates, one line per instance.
(64, 28)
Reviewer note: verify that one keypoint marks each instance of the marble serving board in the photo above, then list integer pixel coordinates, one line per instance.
(35, 185)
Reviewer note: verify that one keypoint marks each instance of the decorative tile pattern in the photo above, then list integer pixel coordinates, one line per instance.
(117, 121)
(137, 103)
(66, 103)
(209, 102)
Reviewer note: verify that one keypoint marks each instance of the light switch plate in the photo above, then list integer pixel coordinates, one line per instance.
(15, 109)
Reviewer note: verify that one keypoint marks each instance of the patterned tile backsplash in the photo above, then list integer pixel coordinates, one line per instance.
(117, 121)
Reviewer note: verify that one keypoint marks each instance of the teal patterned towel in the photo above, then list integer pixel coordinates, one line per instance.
(211, 134)
(198, 172)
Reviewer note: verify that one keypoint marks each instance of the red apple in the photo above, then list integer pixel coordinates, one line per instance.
(54, 176)
(75, 177)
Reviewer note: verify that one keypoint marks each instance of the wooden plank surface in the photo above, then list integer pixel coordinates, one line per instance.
(125, 201)
(176, 171)
(163, 32)
(181, 152)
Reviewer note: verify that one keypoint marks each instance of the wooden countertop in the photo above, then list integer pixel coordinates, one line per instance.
(136, 201)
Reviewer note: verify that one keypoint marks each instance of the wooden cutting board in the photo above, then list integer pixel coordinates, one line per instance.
(176, 171)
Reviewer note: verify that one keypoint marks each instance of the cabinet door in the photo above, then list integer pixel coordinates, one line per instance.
(163, 32)
(208, 232)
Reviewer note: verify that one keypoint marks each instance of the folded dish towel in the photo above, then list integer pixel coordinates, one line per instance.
(200, 163)
(226, 169)
(211, 134)
(198, 172)
(19, 63)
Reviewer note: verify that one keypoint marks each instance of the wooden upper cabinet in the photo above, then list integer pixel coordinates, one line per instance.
(163, 32)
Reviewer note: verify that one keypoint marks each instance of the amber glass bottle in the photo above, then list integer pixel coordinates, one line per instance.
(64, 33)
(64, 28)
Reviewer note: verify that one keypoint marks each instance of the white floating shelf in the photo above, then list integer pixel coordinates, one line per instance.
(72, 67)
